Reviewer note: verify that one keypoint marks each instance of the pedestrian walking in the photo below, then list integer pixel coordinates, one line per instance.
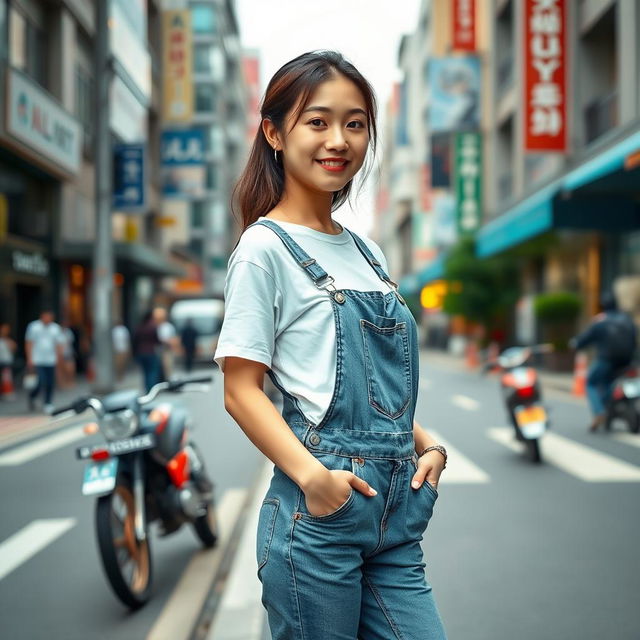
(189, 340)
(44, 344)
(8, 348)
(169, 342)
(309, 303)
(146, 348)
(121, 349)
(614, 336)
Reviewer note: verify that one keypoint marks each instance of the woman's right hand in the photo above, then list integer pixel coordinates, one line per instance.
(328, 489)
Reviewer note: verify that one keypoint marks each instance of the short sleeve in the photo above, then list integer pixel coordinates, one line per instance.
(251, 312)
(30, 333)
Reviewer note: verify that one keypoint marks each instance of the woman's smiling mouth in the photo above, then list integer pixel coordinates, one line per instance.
(334, 165)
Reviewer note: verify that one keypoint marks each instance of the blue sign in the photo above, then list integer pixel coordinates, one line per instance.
(183, 163)
(129, 177)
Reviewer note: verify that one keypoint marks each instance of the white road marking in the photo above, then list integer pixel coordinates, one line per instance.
(572, 457)
(179, 615)
(28, 452)
(24, 544)
(465, 402)
(241, 614)
(460, 470)
(627, 438)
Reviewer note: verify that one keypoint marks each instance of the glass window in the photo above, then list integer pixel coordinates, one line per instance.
(18, 40)
(27, 47)
(84, 93)
(197, 215)
(196, 246)
(203, 58)
(205, 98)
(212, 177)
(3, 30)
(203, 18)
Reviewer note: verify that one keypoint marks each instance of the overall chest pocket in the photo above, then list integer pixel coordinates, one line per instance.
(387, 364)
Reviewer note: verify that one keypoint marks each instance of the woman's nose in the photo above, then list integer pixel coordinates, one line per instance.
(337, 140)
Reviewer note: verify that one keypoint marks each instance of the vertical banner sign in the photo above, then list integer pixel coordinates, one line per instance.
(463, 20)
(545, 99)
(129, 177)
(183, 164)
(177, 86)
(468, 181)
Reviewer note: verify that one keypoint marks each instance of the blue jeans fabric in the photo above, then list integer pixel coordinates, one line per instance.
(151, 369)
(46, 382)
(600, 379)
(357, 572)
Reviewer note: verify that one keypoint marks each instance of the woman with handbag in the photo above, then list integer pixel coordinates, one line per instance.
(310, 304)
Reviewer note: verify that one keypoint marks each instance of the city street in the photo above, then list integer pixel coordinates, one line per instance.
(514, 550)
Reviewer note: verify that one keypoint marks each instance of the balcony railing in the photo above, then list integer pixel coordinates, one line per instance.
(600, 116)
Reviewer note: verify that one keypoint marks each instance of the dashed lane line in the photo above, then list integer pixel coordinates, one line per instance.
(24, 544)
(574, 458)
(460, 469)
(465, 402)
(42, 446)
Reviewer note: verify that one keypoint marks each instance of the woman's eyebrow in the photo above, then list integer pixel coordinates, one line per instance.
(328, 110)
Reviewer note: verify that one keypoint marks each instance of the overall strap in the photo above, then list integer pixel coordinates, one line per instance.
(317, 274)
(375, 264)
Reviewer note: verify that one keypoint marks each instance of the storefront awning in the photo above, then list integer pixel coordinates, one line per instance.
(132, 259)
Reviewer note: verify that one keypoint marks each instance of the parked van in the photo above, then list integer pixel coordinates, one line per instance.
(206, 315)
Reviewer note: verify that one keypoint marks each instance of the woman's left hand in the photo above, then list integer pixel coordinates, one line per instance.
(430, 466)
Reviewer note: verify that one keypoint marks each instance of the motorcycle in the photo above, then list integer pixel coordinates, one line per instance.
(147, 470)
(522, 395)
(625, 401)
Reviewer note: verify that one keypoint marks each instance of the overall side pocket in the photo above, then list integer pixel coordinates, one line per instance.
(266, 526)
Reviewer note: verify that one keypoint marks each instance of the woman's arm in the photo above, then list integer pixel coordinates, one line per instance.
(431, 464)
(250, 407)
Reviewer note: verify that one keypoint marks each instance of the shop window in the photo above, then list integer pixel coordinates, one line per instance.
(84, 98)
(212, 177)
(197, 215)
(27, 47)
(205, 98)
(203, 18)
(3, 30)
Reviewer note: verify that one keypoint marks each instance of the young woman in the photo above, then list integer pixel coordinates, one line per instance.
(310, 303)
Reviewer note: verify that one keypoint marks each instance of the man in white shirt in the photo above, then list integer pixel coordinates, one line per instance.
(44, 344)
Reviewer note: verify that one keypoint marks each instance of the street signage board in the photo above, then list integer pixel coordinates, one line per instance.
(129, 192)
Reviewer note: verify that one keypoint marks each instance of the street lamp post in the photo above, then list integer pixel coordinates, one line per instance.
(103, 249)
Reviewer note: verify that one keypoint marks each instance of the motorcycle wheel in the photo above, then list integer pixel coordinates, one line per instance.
(533, 450)
(126, 561)
(625, 411)
(206, 526)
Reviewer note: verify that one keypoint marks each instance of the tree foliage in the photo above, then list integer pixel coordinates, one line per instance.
(482, 290)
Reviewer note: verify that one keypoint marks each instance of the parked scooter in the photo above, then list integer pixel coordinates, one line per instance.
(522, 395)
(625, 401)
(147, 470)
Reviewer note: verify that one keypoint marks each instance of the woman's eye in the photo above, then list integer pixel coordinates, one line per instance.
(316, 122)
(359, 125)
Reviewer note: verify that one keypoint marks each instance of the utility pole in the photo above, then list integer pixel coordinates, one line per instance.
(103, 249)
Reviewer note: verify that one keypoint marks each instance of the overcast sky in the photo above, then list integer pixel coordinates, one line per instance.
(367, 32)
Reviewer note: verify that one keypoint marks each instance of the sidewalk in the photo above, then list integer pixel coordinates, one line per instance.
(17, 423)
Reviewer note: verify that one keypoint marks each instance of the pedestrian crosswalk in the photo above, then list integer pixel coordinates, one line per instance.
(31, 451)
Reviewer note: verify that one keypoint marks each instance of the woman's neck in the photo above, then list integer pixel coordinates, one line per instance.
(310, 209)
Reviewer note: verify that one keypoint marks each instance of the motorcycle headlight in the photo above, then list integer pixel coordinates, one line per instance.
(116, 426)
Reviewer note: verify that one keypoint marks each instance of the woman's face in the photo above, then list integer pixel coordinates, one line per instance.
(327, 145)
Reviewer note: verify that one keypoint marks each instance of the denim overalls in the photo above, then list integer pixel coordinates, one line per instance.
(358, 571)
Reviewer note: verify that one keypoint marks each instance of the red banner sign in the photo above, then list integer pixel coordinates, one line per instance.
(545, 97)
(464, 25)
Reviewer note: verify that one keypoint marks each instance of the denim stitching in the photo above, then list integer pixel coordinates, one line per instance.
(271, 522)
(383, 608)
(387, 508)
(293, 570)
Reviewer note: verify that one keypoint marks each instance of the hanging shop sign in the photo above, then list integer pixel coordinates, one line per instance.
(177, 98)
(38, 121)
(464, 25)
(183, 163)
(129, 177)
(545, 97)
(468, 181)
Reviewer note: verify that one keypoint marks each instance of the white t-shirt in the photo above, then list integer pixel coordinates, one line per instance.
(44, 337)
(121, 338)
(274, 314)
(166, 331)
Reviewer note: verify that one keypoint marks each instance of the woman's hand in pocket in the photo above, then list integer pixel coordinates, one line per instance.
(430, 466)
(328, 490)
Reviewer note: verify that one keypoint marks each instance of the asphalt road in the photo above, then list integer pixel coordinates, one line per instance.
(515, 551)
(60, 591)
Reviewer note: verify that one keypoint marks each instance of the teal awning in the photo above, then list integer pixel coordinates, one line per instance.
(603, 164)
(527, 219)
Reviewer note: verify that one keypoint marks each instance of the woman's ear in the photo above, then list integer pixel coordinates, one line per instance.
(271, 133)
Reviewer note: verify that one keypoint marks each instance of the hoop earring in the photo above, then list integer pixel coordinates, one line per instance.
(275, 155)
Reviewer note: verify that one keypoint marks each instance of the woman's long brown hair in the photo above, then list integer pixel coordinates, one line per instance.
(261, 184)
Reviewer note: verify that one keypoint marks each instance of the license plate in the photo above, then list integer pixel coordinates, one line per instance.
(100, 477)
(120, 447)
(529, 415)
(631, 388)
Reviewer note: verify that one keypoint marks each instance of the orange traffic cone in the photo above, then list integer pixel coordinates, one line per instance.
(580, 375)
(472, 355)
(6, 384)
